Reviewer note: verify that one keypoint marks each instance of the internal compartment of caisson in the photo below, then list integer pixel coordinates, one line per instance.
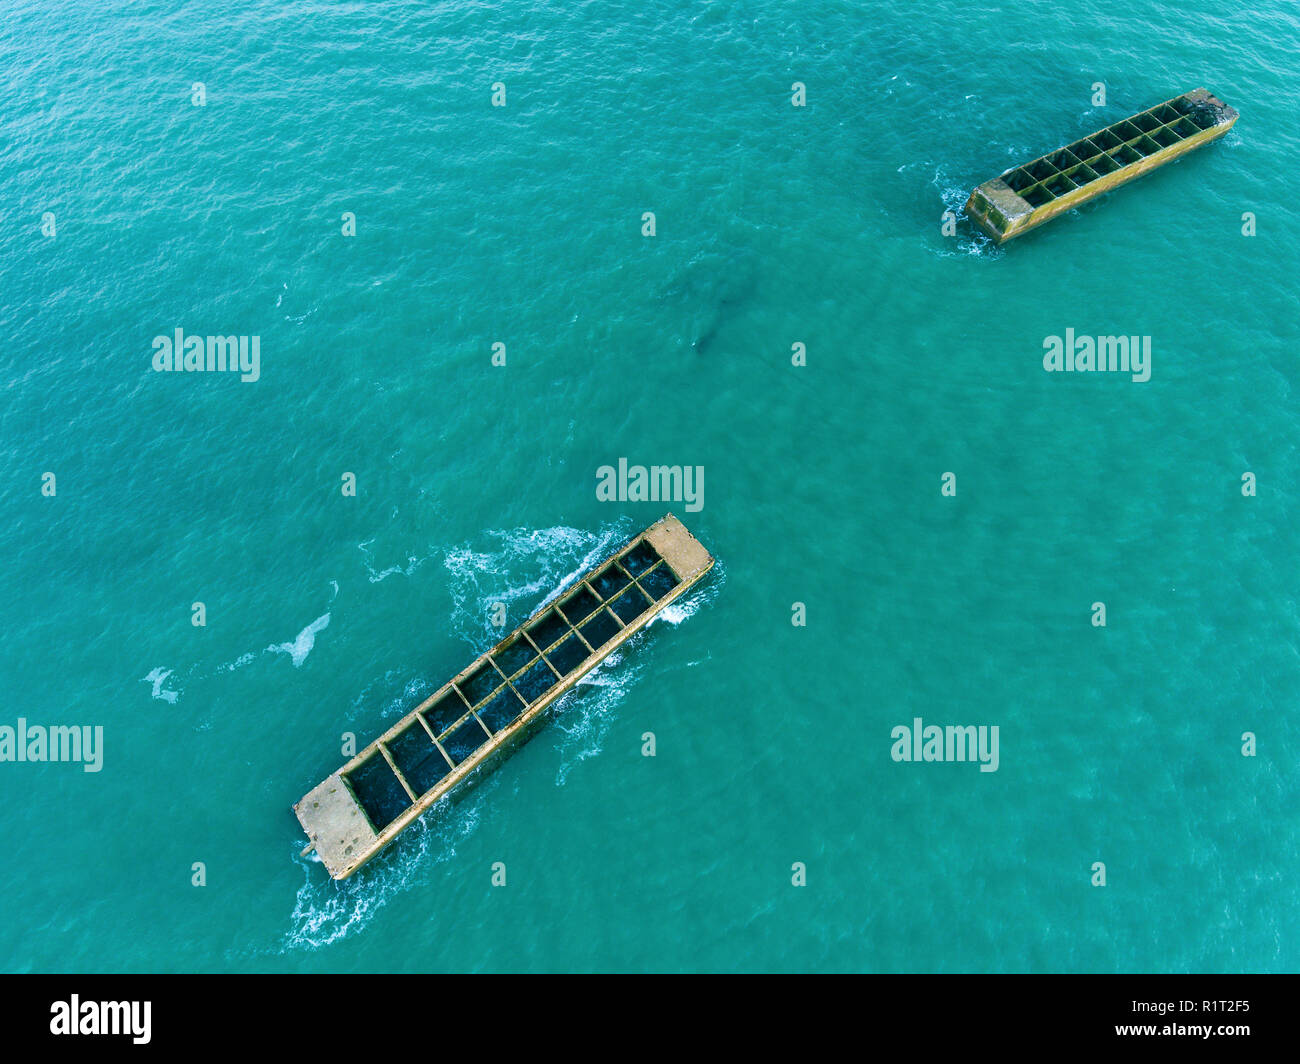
(379, 791)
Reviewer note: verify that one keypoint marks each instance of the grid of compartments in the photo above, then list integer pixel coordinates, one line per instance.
(1113, 148)
(502, 684)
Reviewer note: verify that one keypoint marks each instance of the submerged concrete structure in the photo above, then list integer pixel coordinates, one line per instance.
(1026, 196)
(498, 701)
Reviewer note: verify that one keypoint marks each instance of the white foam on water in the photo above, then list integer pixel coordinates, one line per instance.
(238, 663)
(586, 715)
(326, 911)
(297, 651)
(301, 646)
(694, 600)
(157, 678)
(889, 87)
(676, 612)
(417, 688)
(519, 565)
(414, 689)
(413, 562)
(970, 239)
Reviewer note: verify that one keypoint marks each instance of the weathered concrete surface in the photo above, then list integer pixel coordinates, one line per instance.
(1001, 213)
(334, 820)
(338, 828)
(1000, 197)
(678, 547)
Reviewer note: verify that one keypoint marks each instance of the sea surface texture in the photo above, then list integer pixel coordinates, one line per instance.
(335, 180)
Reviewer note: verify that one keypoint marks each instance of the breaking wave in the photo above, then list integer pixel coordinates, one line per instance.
(326, 911)
(585, 715)
(515, 566)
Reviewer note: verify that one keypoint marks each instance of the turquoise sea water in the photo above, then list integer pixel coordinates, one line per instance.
(775, 225)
